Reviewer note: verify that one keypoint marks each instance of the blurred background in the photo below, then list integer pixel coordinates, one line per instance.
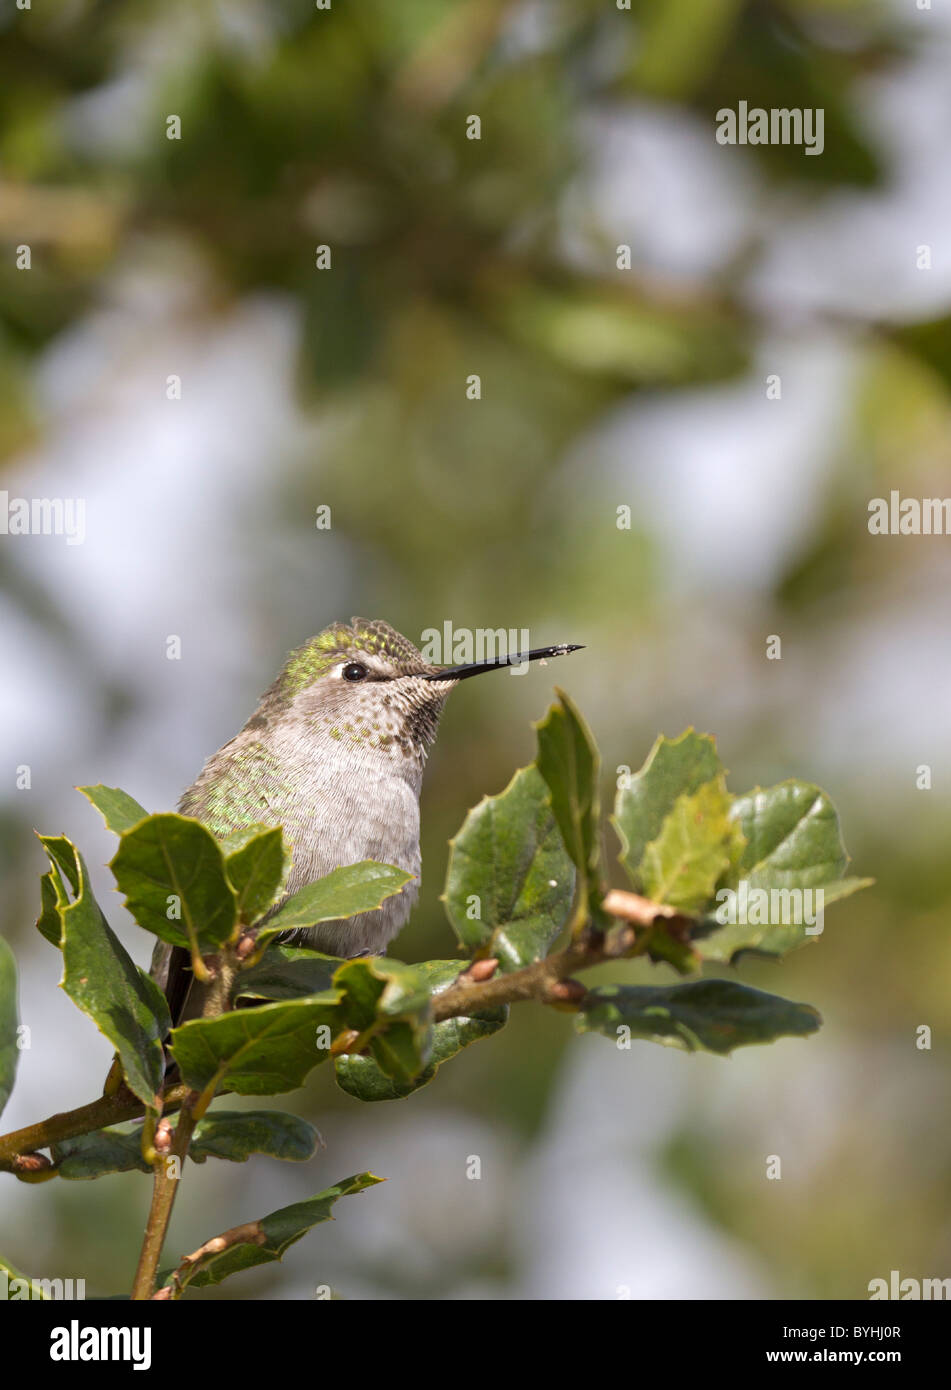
(606, 1174)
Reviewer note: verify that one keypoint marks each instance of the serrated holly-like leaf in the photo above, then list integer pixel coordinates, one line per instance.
(118, 809)
(259, 1051)
(510, 881)
(102, 980)
(62, 857)
(287, 972)
(54, 892)
(362, 1078)
(570, 765)
(713, 1015)
(793, 848)
(389, 1002)
(227, 1134)
(172, 872)
(692, 851)
(256, 871)
(674, 768)
(9, 1023)
(344, 892)
(266, 1240)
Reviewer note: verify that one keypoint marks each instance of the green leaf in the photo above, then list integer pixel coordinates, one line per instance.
(363, 1079)
(793, 844)
(105, 1151)
(792, 835)
(377, 987)
(102, 980)
(48, 923)
(237, 839)
(389, 1002)
(267, 1240)
(344, 892)
(171, 864)
(715, 1015)
(62, 857)
(570, 765)
(21, 1286)
(53, 891)
(674, 768)
(256, 871)
(401, 1049)
(118, 809)
(258, 1051)
(510, 857)
(287, 972)
(237, 1134)
(684, 864)
(669, 942)
(226, 1134)
(9, 1022)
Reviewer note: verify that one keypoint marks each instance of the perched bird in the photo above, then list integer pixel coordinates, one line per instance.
(334, 754)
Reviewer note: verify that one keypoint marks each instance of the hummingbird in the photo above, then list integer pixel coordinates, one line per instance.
(334, 754)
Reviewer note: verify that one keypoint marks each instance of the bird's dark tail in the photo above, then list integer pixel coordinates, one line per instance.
(178, 983)
(171, 970)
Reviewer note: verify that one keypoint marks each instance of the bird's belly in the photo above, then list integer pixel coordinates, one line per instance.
(334, 826)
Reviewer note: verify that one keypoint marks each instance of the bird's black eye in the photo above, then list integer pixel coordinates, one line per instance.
(354, 671)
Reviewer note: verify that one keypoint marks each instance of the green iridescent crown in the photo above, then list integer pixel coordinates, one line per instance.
(309, 662)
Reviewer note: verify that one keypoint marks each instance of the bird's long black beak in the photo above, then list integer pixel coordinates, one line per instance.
(461, 673)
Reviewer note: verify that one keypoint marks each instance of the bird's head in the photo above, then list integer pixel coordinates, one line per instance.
(363, 682)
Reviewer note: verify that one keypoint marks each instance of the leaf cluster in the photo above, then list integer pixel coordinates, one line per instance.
(525, 893)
